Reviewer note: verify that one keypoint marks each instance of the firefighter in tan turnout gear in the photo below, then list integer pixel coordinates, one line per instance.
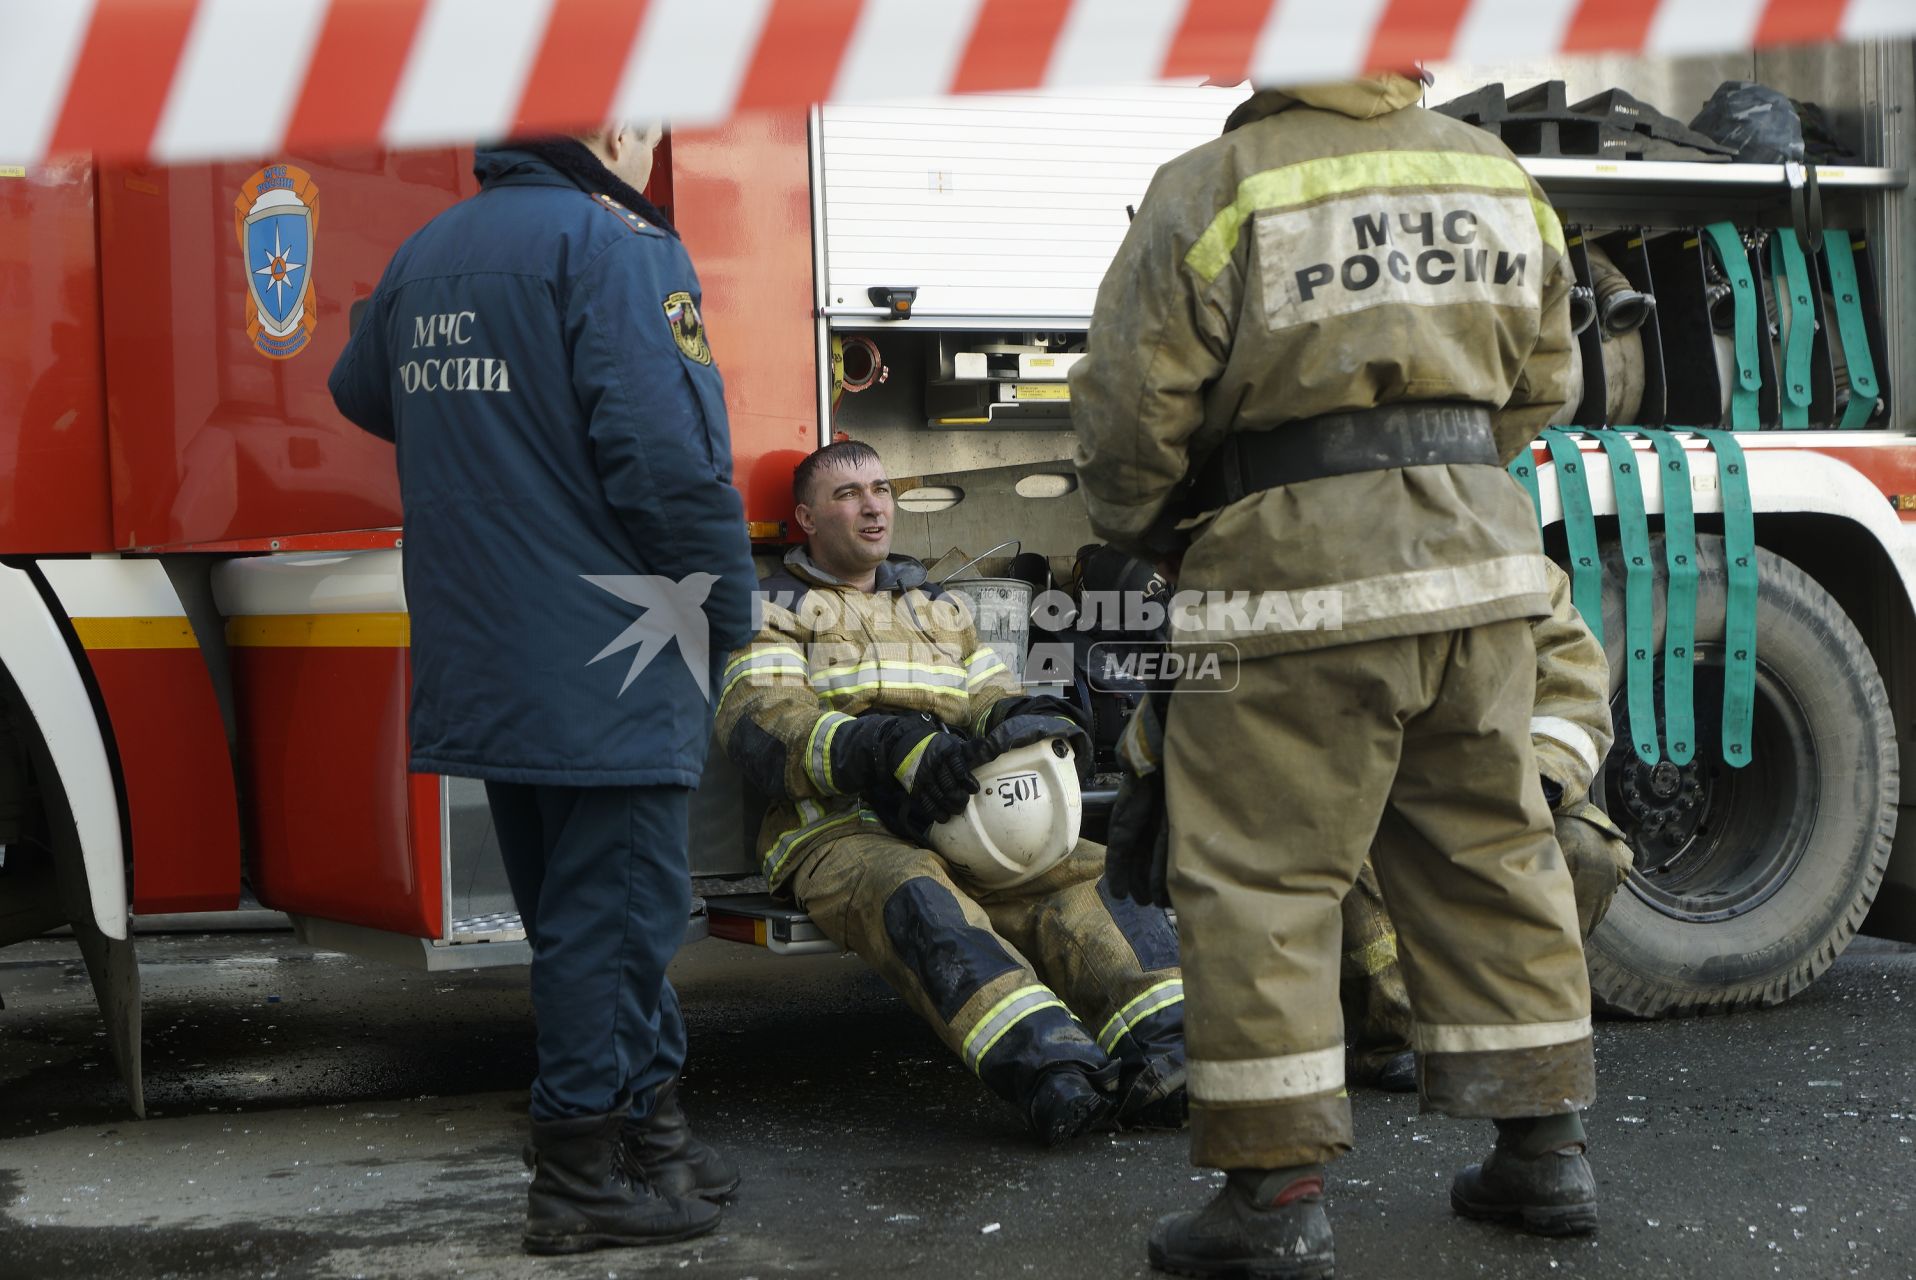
(1570, 733)
(1325, 334)
(863, 709)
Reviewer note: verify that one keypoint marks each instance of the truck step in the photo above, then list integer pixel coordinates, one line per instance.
(758, 920)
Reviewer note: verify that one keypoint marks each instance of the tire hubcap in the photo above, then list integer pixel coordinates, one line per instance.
(1712, 842)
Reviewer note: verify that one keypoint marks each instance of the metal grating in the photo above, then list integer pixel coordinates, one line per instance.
(500, 926)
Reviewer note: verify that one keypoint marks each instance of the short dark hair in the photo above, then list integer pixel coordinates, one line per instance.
(840, 453)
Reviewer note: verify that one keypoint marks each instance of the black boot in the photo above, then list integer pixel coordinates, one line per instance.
(674, 1161)
(1152, 1093)
(1399, 1073)
(1266, 1224)
(1067, 1102)
(588, 1193)
(1536, 1177)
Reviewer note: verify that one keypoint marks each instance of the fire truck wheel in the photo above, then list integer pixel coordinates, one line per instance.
(1748, 882)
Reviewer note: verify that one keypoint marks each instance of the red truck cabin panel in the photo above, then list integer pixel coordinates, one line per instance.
(742, 200)
(53, 476)
(227, 290)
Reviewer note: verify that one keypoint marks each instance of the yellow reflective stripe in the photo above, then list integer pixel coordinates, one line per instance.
(1312, 180)
(320, 631)
(1166, 993)
(753, 652)
(788, 841)
(985, 673)
(784, 667)
(890, 669)
(898, 685)
(135, 633)
(818, 750)
(1549, 226)
(1377, 955)
(905, 767)
(1003, 1016)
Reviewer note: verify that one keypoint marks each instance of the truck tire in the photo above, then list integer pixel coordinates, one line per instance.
(1748, 882)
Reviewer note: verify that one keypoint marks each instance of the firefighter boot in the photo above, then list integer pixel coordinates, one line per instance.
(1536, 1177)
(1264, 1224)
(674, 1161)
(1068, 1100)
(1151, 1093)
(1399, 1073)
(588, 1193)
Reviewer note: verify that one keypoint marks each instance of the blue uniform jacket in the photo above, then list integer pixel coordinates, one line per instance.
(565, 467)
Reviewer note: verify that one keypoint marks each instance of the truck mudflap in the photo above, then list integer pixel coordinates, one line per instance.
(82, 812)
(35, 653)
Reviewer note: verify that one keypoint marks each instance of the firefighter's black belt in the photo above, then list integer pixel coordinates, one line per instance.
(1409, 434)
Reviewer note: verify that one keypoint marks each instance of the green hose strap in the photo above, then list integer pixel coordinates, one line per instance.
(1791, 273)
(1580, 529)
(1633, 529)
(1739, 622)
(1745, 407)
(1851, 329)
(1523, 469)
(1679, 611)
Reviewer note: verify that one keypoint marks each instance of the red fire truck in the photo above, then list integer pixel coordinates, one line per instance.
(203, 633)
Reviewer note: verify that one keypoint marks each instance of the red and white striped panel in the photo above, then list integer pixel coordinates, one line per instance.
(175, 80)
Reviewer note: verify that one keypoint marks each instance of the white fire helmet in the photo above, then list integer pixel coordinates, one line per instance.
(1022, 822)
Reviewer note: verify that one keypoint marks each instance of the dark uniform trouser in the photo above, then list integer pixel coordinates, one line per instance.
(1014, 981)
(601, 878)
(1423, 741)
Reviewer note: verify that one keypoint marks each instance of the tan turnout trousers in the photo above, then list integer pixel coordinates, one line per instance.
(1422, 742)
(1376, 1003)
(1015, 981)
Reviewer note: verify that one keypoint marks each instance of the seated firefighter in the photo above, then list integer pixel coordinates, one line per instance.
(865, 709)
(1570, 732)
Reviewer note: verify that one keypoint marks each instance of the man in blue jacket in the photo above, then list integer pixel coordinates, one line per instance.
(537, 356)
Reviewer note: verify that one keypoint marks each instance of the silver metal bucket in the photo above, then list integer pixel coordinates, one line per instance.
(1001, 611)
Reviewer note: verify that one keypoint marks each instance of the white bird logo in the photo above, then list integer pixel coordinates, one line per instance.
(673, 610)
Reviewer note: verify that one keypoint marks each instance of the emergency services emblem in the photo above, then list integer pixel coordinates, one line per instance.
(276, 217)
(687, 329)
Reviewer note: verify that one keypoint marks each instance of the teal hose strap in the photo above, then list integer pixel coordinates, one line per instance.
(1580, 529)
(1851, 328)
(1791, 272)
(1633, 529)
(1679, 607)
(1523, 469)
(1739, 623)
(1745, 407)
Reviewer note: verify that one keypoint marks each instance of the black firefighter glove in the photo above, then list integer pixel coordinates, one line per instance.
(1137, 851)
(1019, 722)
(911, 768)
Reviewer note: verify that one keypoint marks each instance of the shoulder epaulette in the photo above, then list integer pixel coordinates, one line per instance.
(631, 219)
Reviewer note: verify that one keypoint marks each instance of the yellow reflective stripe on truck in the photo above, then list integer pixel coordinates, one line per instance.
(321, 631)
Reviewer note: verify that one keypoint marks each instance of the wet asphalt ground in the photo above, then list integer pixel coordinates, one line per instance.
(312, 1115)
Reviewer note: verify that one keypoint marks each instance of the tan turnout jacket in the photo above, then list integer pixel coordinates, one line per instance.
(1338, 248)
(825, 653)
